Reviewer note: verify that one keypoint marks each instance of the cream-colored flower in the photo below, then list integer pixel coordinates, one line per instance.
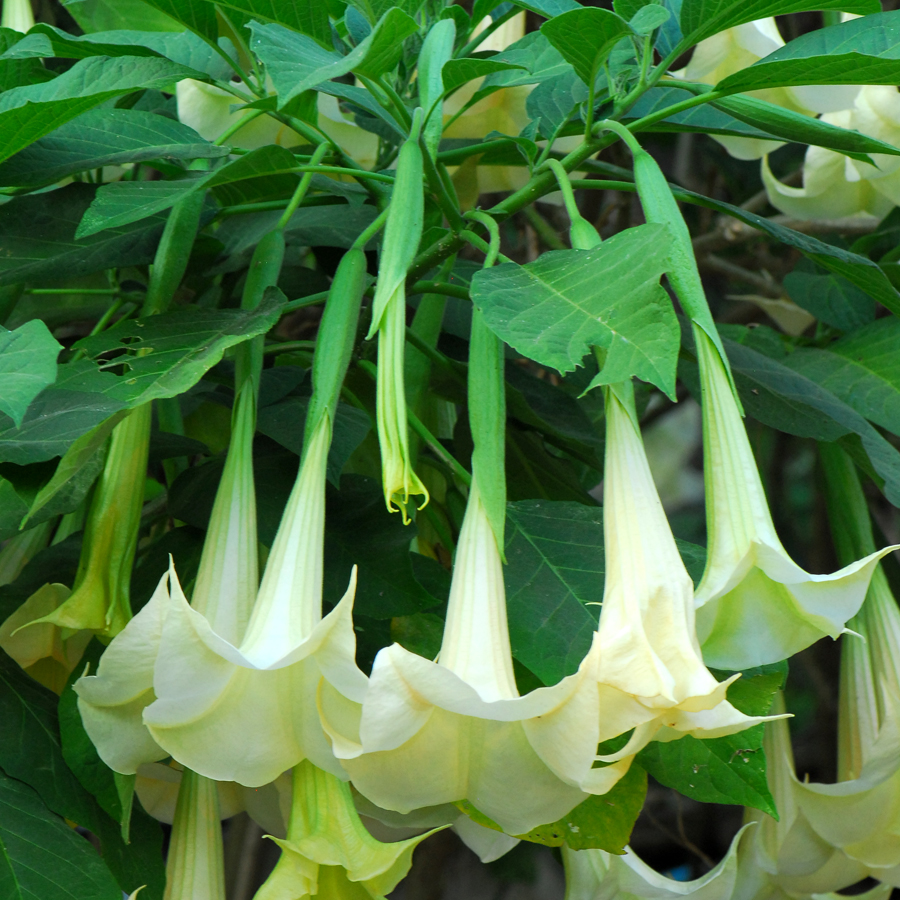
(736, 48)
(755, 605)
(437, 732)
(837, 187)
(17, 14)
(328, 852)
(598, 875)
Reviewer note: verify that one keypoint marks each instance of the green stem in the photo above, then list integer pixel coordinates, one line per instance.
(359, 174)
(482, 36)
(493, 230)
(237, 126)
(303, 302)
(302, 188)
(482, 245)
(437, 448)
(370, 230)
(439, 287)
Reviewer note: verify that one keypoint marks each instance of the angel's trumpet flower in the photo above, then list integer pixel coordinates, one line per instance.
(17, 14)
(328, 852)
(755, 605)
(860, 815)
(596, 875)
(734, 49)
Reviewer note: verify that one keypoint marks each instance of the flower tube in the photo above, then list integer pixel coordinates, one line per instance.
(17, 14)
(755, 605)
(328, 852)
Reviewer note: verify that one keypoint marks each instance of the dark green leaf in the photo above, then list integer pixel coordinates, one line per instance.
(755, 690)
(540, 59)
(862, 370)
(37, 233)
(28, 113)
(198, 15)
(109, 15)
(861, 51)
(555, 309)
(703, 18)
(13, 72)
(585, 37)
(648, 18)
(554, 553)
(41, 857)
(297, 63)
(723, 770)
(306, 16)
(829, 297)
(27, 366)
(12, 510)
(603, 822)
(457, 72)
(108, 137)
(548, 8)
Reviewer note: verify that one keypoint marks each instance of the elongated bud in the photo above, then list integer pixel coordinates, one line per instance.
(17, 14)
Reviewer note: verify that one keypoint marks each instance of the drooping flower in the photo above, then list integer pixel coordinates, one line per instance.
(596, 874)
(734, 49)
(17, 14)
(328, 852)
(453, 729)
(112, 701)
(755, 605)
(837, 187)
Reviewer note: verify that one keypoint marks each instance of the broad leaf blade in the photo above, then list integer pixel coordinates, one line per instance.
(27, 366)
(198, 15)
(585, 37)
(701, 19)
(861, 51)
(556, 308)
(308, 17)
(108, 137)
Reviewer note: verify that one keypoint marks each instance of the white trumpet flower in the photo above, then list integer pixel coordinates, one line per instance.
(244, 710)
(437, 732)
(17, 14)
(755, 605)
(598, 875)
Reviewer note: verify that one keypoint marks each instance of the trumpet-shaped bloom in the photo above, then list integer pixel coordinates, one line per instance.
(736, 48)
(435, 732)
(755, 605)
(242, 707)
(598, 875)
(208, 110)
(328, 852)
(17, 14)
(837, 187)
(194, 865)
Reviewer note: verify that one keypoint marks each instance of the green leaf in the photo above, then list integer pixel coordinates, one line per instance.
(28, 113)
(755, 690)
(829, 297)
(297, 63)
(457, 72)
(13, 72)
(12, 510)
(778, 396)
(648, 18)
(862, 370)
(74, 475)
(722, 770)
(792, 126)
(41, 857)
(603, 822)
(554, 551)
(309, 17)
(585, 37)
(701, 19)
(861, 51)
(548, 8)
(198, 15)
(172, 351)
(37, 233)
(540, 59)
(110, 15)
(107, 137)
(27, 366)
(556, 308)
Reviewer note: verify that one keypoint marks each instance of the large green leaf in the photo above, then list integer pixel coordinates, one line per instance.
(306, 16)
(703, 18)
(107, 137)
(107, 15)
(28, 113)
(198, 15)
(12, 510)
(861, 51)
(829, 297)
(41, 857)
(457, 72)
(585, 37)
(37, 233)
(556, 308)
(18, 72)
(862, 370)
(554, 551)
(297, 63)
(27, 366)
(123, 202)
